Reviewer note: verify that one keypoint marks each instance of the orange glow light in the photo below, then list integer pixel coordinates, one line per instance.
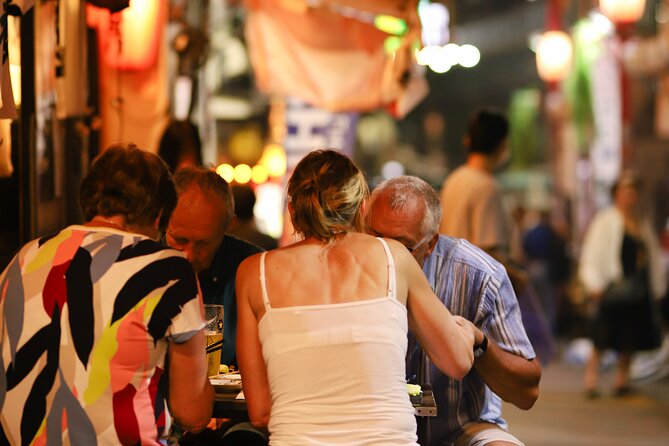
(554, 55)
(226, 171)
(259, 174)
(140, 32)
(243, 173)
(274, 159)
(623, 11)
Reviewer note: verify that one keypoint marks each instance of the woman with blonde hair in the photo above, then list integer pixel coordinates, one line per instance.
(322, 332)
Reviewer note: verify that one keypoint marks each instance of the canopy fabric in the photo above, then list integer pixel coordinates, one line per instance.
(395, 8)
(325, 58)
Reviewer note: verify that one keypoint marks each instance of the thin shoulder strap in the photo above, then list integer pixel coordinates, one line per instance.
(392, 280)
(263, 288)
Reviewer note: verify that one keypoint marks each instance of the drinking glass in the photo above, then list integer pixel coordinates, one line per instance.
(213, 315)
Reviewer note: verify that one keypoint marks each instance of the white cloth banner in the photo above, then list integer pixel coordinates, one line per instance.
(71, 83)
(606, 151)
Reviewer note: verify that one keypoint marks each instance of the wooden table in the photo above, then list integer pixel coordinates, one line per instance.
(227, 405)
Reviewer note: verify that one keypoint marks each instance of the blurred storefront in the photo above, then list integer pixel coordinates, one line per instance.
(265, 81)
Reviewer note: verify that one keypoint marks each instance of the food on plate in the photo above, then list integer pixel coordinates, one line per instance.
(413, 389)
(415, 393)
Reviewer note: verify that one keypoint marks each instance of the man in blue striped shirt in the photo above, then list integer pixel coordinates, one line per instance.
(475, 286)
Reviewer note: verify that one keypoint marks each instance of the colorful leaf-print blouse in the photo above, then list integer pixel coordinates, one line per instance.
(85, 319)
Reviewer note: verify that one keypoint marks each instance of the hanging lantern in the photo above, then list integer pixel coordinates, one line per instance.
(554, 55)
(129, 37)
(623, 11)
(554, 49)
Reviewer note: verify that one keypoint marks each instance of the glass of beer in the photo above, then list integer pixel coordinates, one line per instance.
(213, 330)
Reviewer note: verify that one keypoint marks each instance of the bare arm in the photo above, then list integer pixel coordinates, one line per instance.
(191, 393)
(448, 344)
(249, 350)
(514, 378)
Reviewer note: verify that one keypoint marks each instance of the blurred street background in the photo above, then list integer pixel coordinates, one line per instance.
(562, 416)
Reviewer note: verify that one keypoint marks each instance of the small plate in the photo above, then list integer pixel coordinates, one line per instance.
(226, 382)
(417, 400)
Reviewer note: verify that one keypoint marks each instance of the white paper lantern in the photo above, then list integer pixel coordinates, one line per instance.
(623, 11)
(554, 56)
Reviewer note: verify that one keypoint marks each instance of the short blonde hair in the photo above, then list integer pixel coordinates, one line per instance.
(326, 192)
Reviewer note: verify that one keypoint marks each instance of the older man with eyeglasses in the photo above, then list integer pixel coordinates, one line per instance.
(475, 286)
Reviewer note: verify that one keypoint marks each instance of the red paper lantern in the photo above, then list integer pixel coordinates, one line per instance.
(112, 5)
(129, 39)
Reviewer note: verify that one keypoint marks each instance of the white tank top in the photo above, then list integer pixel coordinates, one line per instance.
(336, 371)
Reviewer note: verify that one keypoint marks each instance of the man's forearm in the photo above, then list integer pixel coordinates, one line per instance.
(514, 378)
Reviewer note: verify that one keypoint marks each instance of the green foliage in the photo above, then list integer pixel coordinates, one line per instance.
(578, 86)
(524, 133)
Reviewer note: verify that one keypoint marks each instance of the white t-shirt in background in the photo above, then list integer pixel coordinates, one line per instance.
(473, 209)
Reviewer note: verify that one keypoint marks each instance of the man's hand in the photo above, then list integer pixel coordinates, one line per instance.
(513, 378)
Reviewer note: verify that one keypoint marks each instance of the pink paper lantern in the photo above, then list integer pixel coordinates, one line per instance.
(623, 11)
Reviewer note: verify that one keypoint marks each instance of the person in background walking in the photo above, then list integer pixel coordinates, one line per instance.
(472, 204)
(471, 196)
(619, 244)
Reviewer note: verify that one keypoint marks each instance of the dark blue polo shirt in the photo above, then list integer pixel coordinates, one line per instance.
(218, 287)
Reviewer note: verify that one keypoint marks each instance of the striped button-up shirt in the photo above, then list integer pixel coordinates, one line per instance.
(475, 286)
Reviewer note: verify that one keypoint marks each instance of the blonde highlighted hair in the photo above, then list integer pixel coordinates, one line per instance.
(326, 192)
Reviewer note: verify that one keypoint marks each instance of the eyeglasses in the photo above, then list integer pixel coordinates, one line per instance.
(419, 244)
(411, 249)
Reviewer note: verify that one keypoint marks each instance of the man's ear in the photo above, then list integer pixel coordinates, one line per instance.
(431, 244)
(156, 223)
(290, 209)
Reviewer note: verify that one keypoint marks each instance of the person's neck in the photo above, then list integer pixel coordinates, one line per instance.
(113, 221)
(481, 162)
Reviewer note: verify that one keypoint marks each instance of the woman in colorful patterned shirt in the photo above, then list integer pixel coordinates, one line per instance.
(89, 314)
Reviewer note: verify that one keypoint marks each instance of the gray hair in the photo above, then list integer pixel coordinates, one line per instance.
(208, 181)
(404, 191)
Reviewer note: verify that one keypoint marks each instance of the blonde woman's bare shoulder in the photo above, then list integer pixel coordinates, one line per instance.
(400, 253)
(360, 237)
(249, 265)
(396, 248)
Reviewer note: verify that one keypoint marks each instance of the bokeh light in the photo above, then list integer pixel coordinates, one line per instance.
(259, 174)
(226, 171)
(243, 173)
